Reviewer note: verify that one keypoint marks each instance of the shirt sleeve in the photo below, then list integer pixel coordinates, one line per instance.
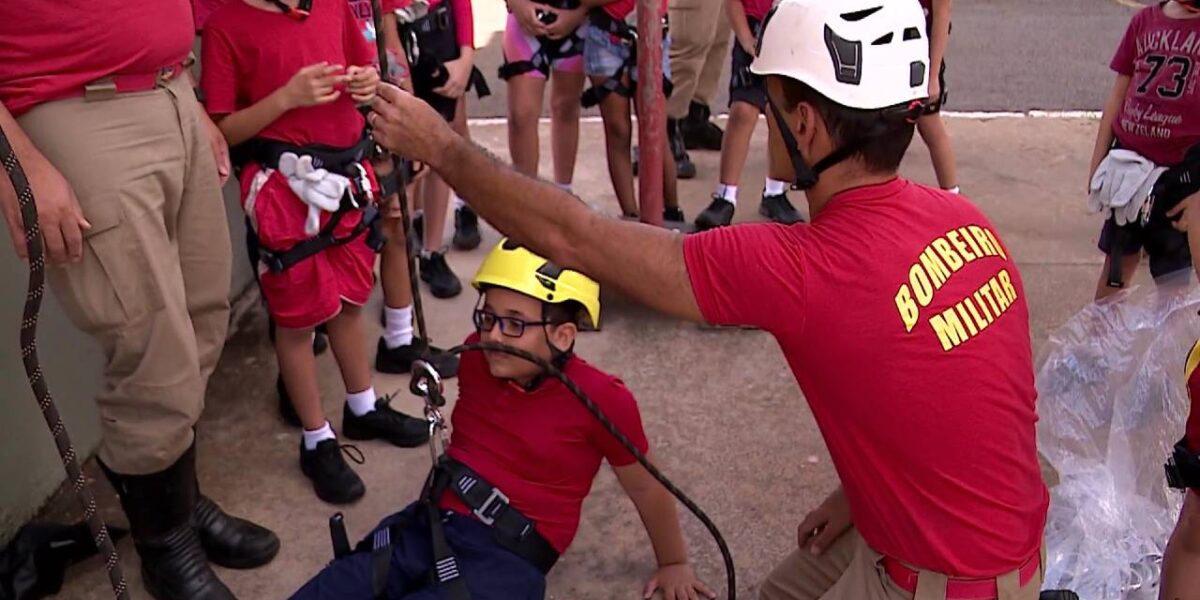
(464, 23)
(1124, 61)
(621, 409)
(359, 51)
(749, 275)
(218, 72)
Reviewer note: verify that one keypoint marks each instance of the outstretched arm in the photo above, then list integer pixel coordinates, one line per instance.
(641, 261)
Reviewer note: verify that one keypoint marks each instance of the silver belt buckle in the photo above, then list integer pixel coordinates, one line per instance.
(481, 512)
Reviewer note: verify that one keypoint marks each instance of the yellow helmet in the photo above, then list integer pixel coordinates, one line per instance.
(513, 267)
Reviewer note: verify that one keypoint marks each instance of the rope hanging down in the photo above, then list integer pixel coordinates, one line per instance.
(33, 367)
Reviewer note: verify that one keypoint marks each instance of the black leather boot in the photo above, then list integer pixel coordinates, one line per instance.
(229, 541)
(160, 507)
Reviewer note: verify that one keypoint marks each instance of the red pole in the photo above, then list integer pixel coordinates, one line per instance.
(651, 108)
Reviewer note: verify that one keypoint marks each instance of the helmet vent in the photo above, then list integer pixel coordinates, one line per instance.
(916, 73)
(510, 245)
(912, 33)
(547, 275)
(859, 15)
(885, 39)
(846, 56)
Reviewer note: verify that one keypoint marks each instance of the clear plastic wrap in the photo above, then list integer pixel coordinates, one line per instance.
(1112, 402)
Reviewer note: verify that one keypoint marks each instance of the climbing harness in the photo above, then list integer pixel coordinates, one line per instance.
(33, 368)
(428, 38)
(549, 50)
(626, 34)
(299, 12)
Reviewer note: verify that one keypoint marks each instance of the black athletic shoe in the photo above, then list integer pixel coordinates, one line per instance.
(779, 209)
(443, 283)
(332, 479)
(385, 423)
(466, 229)
(674, 213)
(399, 360)
(320, 342)
(699, 133)
(718, 214)
(287, 412)
(684, 167)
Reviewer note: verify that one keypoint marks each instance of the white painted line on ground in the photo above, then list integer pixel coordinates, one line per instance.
(978, 115)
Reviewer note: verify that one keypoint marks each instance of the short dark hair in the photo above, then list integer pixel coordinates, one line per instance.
(883, 142)
(563, 312)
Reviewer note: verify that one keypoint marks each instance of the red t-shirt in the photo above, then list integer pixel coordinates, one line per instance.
(50, 50)
(541, 448)
(1160, 118)
(757, 9)
(904, 321)
(620, 9)
(464, 18)
(1192, 430)
(248, 53)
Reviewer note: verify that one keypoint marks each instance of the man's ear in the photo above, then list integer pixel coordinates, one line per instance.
(563, 335)
(807, 125)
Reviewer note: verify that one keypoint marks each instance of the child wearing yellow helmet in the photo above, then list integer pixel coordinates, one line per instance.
(1181, 560)
(527, 451)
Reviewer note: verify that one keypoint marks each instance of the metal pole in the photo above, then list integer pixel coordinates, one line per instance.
(651, 108)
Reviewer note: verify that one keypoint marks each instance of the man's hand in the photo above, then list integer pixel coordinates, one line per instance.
(220, 148)
(59, 216)
(566, 23)
(526, 13)
(821, 527)
(314, 85)
(363, 84)
(677, 582)
(408, 126)
(459, 71)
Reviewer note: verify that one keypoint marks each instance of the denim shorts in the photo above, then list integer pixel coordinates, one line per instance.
(604, 53)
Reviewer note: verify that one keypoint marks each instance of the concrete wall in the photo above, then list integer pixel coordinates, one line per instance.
(30, 469)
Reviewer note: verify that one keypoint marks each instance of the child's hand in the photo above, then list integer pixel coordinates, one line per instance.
(935, 88)
(526, 13)
(314, 85)
(677, 582)
(460, 75)
(566, 23)
(364, 82)
(749, 45)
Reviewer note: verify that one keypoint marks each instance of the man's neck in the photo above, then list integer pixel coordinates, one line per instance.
(837, 179)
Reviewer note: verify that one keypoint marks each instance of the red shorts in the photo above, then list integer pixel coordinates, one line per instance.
(312, 291)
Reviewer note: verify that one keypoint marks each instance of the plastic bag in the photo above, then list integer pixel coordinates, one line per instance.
(1112, 402)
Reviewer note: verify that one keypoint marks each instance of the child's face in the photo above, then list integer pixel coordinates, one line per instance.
(504, 311)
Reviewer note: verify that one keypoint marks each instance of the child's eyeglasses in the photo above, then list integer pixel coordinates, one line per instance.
(509, 326)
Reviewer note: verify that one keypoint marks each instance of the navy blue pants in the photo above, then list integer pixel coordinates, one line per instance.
(491, 571)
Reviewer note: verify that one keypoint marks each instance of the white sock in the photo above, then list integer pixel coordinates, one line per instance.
(566, 187)
(397, 326)
(312, 438)
(361, 403)
(458, 202)
(728, 192)
(774, 187)
(952, 190)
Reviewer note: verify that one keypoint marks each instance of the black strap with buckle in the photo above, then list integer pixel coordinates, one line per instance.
(628, 35)
(1183, 468)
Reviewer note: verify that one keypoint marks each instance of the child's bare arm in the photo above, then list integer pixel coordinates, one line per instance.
(391, 39)
(656, 507)
(741, 26)
(939, 35)
(1104, 137)
(310, 86)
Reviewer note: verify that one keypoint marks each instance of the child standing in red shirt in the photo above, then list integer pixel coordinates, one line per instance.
(526, 438)
(281, 79)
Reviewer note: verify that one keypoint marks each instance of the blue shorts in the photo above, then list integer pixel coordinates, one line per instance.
(491, 571)
(604, 53)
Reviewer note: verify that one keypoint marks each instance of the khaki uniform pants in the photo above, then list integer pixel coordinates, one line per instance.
(850, 570)
(153, 285)
(699, 51)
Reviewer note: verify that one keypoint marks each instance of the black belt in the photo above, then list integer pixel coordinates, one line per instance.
(1183, 468)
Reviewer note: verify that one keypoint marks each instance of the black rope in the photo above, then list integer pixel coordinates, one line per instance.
(553, 371)
(33, 367)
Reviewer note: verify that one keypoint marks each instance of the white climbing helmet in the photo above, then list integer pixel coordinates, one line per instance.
(864, 54)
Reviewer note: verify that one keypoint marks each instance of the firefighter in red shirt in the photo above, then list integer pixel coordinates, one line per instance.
(121, 160)
(900, 311)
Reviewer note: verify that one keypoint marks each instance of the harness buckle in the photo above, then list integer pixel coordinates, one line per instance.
(361, 194)
(487, 512)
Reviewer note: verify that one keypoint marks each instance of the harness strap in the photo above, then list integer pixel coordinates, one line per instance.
(628, 34)
(381, 561)
(446, 572)
(543, 59)
(1183, 468)
(278, 262)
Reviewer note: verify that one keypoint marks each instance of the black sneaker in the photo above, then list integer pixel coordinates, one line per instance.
(674, 213)
(287, 412)
(385, 423)
(684, 167)
(443, 283)
(699, 133)
(320, 342)
(333, 480)
(718, 214)
(399, 360)
(779, 209)
(466, 229)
